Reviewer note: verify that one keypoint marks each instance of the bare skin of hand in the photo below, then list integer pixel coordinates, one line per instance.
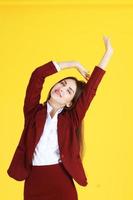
(83, 71)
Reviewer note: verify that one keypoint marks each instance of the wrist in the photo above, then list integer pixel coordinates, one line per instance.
(67, 64)
(109, 51)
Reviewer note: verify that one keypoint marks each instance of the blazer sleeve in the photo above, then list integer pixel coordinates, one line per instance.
(35, 85)
(87, 95)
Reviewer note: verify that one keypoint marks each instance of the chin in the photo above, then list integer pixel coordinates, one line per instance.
(55, 97)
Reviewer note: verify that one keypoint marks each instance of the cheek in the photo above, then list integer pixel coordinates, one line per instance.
(69, 98)
(72, 98)
(56, 87)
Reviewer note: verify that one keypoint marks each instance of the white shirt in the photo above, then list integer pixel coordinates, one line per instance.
(47, 150)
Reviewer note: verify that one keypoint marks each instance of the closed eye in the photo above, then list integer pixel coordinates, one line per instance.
(64, 84)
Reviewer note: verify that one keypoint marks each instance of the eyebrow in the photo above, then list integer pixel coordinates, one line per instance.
(69, 87)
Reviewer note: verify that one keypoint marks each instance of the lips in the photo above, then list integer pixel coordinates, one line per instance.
(58, 92)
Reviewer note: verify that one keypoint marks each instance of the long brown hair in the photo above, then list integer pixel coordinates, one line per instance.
(80, 131)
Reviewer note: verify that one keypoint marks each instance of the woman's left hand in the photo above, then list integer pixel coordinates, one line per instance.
(108, 53)
(107, 43)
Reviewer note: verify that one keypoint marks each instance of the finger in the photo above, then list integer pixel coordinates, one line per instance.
(87, 74)
(87, 78)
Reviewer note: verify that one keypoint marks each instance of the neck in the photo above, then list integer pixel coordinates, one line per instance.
(54, 104)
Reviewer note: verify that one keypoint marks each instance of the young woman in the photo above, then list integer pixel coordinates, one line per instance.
(50, 150)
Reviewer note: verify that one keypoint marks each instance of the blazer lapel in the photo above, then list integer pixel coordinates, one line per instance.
(61, 129)
(40, 122)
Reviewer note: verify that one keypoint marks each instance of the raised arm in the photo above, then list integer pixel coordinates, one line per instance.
(108, 53)
(35, 85)
(89, 91)
(79, 110)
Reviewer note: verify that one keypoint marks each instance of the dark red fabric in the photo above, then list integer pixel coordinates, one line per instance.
(68, 122)
(49, 182)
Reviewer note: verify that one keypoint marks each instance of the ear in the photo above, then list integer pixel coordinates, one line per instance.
(69, 104)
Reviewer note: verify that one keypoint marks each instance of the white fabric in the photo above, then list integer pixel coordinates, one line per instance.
(56, 65)
(47, 150)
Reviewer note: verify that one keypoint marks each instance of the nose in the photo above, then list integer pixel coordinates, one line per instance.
(62, 91)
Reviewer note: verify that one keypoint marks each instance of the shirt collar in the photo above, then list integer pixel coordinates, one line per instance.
(49, 108)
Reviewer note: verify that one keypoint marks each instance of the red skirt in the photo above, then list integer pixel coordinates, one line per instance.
(49, 182)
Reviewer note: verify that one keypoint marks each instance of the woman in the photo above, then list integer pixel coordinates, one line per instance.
(53, 144)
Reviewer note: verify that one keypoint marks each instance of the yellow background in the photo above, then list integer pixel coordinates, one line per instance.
(33, 33)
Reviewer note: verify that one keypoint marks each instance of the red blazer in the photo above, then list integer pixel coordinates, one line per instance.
(68, 122)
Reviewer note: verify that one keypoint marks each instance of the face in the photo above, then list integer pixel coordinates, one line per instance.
(64, 91)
